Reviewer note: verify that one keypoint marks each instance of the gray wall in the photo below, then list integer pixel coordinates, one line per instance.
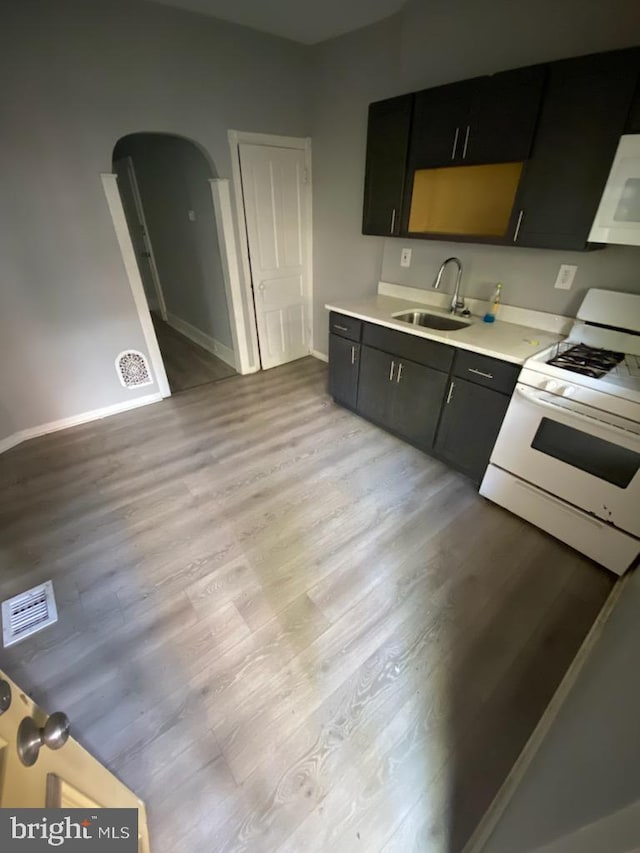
(587, 766)
(173, 177)
(77, 77)
(528, 275)
(425, 45)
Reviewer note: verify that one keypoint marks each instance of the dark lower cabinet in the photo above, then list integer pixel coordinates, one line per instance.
(401, 395)
(470, 423)
(344, 364)
(456, 419)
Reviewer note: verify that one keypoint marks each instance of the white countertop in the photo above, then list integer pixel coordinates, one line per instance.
(508, 341)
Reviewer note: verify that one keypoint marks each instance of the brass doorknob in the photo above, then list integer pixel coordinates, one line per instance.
(54, 734)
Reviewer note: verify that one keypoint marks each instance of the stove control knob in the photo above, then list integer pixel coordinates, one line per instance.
(551, 385)
(568, 391)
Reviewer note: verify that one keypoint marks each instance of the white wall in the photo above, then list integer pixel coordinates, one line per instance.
(427, 44)
(77, 77)
(173, 178)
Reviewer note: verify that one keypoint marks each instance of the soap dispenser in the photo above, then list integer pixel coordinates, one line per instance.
(490, 316)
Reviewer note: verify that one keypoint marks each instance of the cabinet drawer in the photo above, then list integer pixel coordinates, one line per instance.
(346, 327)
(487, 371)
(420, 350)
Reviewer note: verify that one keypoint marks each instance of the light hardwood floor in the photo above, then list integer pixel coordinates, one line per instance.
(283, 628)
(187, 364)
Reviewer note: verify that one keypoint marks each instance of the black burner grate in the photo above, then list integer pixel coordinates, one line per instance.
(590, 361)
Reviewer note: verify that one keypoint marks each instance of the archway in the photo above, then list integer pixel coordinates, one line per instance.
(165, 184)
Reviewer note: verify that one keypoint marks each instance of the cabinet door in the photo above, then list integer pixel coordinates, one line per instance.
(504, 117)
(417, 401)
(469, 426)
(387, 143)
(440, 120)
(376, 386)
(583, 115)
(344, 363)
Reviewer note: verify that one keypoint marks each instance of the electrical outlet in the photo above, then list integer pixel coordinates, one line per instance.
(405, 258)
(192, 216)
(566, 274)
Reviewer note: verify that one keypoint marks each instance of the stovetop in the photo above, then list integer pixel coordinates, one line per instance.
(587, 360)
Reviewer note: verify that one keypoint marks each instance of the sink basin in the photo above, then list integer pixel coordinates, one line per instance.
(431, 321)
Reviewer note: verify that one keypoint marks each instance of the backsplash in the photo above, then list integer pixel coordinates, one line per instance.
(528, 275)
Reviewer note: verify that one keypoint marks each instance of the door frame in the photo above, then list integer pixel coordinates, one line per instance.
(137, 200)
(116, 209)
(236, 138)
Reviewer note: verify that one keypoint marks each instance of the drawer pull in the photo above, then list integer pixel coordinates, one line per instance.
(353, 355)
(480, 373)
(399, 373)
(340, 328)
(393, 364)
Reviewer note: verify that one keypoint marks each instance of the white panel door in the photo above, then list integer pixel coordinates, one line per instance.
(274, 188)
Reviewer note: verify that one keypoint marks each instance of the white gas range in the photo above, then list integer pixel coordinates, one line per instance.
(567, 458)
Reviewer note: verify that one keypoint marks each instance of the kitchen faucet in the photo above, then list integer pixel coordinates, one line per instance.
(457, 303)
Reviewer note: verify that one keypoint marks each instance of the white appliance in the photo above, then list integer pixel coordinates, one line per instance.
(567, 458)
(618, 216)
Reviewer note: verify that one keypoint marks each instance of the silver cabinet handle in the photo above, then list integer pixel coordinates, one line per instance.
(393, 364)
(515, 236)
(451, 387)
(466, 142)
(353, 355)
(393, 220)
(340, 328)
(455, 144)
(480, 373)
(399, 373)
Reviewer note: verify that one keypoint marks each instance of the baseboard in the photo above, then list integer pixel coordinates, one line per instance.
(320, 355)
(223, 352)
(76, 420)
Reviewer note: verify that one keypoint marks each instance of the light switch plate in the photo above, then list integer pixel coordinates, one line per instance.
(192, 216)
(405, 258)
(566, 274)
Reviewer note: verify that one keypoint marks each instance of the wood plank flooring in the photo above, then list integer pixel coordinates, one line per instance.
(187, 364)
(285, 629)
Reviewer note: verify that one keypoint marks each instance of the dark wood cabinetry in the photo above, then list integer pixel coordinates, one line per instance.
(387, 144)
(344, 366)
(470, 423)
(505, 115)
(583, 115)
(445, 401)
(562, 120)
(485, 120)
(400, 395)
(440, 120)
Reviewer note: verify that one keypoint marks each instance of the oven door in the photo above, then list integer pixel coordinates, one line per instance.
(618, 216)
(577, 453)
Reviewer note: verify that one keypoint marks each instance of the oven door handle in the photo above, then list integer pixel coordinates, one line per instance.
(594, 423)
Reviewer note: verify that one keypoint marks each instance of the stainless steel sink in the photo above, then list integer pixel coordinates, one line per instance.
(431, 321)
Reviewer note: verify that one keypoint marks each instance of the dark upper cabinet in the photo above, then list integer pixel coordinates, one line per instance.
(387, 145)
(470, 423)
(583, 114)
(440, 119)
(504, 116)
(344, 364)
(485, 120)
